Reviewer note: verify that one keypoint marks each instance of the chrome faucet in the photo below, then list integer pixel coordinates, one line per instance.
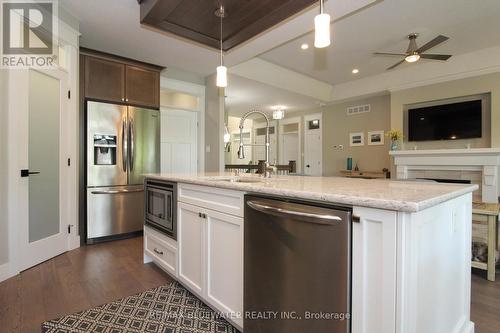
(241, 150)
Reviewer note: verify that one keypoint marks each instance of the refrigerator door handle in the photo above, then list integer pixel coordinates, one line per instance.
(132, 148)
(124, 146)
(116, 191)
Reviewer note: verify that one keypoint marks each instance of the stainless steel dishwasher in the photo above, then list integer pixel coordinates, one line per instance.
(297, 266)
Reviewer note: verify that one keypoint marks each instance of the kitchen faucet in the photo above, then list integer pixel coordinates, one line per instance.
(241, 150)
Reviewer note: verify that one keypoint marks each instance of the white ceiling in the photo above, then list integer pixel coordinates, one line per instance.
(471, 25)
(243, 94)
(113, 26)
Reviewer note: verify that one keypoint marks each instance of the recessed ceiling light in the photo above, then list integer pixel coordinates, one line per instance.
(304, 46)
(355, 71)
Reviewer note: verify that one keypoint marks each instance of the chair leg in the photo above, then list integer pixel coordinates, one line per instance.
(491, 247)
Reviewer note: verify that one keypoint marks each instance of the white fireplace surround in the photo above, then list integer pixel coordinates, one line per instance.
(483, 160)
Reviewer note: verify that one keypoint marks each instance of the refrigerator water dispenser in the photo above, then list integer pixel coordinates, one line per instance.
(104, 149)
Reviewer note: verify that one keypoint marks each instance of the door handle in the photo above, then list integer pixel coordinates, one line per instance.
(314, 215)
(27, 173)
(124, 148)
(308, 166)
(132, 148)
(116, 191)
(158, 251)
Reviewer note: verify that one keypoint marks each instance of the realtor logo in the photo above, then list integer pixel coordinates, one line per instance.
(28, 30)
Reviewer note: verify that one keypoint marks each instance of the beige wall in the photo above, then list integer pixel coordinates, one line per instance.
(483, 84)
(214, 125)
(3, 169)
(178, 100)
(336, 128)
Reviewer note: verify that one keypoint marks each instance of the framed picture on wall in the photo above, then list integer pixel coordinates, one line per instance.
(356, 139)
(376, 138)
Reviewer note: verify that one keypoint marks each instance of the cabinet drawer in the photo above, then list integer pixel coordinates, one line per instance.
(162, 249)
(221, 200)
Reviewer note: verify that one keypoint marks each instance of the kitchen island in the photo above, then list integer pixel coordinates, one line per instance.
(410, 254)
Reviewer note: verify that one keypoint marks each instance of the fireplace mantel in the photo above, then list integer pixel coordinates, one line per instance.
(484, 160)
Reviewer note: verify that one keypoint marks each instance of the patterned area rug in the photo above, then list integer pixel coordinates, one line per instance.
(166, 309)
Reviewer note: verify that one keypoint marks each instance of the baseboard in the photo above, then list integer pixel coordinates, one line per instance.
(468, 328)
(5, 272)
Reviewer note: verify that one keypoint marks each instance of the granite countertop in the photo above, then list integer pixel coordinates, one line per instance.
(406, 196)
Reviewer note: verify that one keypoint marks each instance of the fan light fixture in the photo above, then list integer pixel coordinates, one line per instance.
(221, 69)
(321, 28)
(412, 57)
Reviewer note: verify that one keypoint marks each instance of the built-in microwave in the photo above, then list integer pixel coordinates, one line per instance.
(161, 206)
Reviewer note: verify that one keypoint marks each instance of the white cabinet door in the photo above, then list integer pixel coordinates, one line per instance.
(225, 263)
(374, 271)
(191, 247)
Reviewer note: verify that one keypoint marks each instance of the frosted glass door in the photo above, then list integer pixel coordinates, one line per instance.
(43, 156)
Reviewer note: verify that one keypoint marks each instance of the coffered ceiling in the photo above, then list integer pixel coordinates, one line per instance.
(196, 20)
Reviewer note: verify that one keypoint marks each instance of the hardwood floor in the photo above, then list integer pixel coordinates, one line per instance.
(97, 274)
(74, 281)
(485, 307)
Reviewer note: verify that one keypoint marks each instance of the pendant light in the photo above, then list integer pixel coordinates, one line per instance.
(278, 112)
(221, 69)
(321, 27)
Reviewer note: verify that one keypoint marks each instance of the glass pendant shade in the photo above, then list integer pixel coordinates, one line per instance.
(322, 30)
(227, 136)
(221, 76)
(412, 57)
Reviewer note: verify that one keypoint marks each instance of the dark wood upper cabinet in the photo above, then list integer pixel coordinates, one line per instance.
(104, 80)
(116, 79)
(141, 86)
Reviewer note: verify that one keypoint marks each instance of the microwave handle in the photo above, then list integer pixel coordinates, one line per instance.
(169, 205)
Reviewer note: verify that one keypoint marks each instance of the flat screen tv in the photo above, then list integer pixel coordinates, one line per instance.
(445, 122)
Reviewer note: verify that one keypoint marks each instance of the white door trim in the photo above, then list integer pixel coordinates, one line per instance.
(195, 90)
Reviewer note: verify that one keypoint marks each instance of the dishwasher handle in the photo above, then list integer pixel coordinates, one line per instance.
(303, 213)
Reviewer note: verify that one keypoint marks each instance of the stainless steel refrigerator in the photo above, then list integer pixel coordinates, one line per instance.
(123, 143)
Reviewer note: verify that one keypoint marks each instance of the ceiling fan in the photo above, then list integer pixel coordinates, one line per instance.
(415, 53)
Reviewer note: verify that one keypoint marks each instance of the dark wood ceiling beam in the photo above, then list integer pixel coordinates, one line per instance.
(265, 22)
(155, 11)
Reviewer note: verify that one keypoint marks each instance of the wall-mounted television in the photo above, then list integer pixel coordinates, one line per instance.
(453, 121)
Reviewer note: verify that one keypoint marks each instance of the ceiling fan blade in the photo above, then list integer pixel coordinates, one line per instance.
(396, 65)
(436, 41)
(442, 57)
(390, 54)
